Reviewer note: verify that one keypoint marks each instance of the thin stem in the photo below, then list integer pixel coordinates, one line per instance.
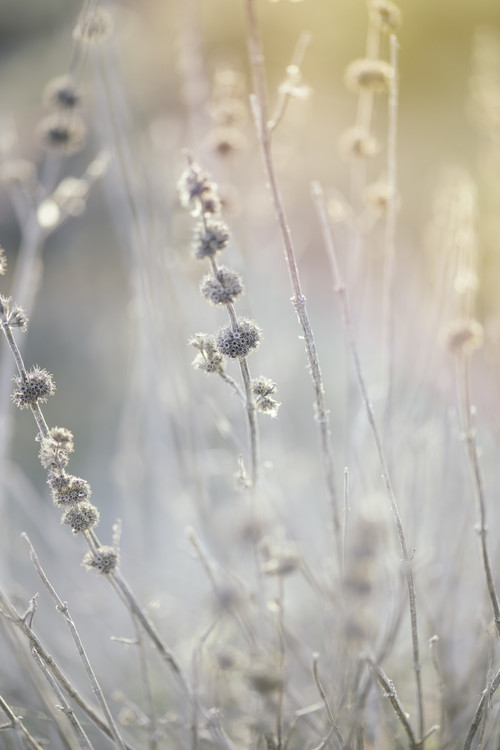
(19, 727)
(62, 607)
(340, 289)
(390, 692)
(483, 703)
(333, 724)
(259, 105)
(469, 435)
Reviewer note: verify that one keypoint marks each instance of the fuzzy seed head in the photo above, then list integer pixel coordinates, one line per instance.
(94, 27)
(14, 317)
(240, 341)
(36, 386)
(61, 93)
(51, 455)
(81, 517)
(197, 191)
(369, 75)
(223, 288)
(385, 15)
(104, 560)
(62, 133)
(464, 336)
(208, 359)
(210, 237)
(63, 437)
(358, 143)
(263, 390)
(67, 489)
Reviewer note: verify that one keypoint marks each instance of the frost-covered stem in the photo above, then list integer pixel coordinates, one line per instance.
(469, 435)
(321, 690)
(63, 704)
(390, 232)
(18, 726)
(62, 607)
(339, 287)
(483, 704)
(390, 692)
(259, 106)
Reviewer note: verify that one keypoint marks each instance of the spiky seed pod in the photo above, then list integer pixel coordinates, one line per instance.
(208, 359)
(357, 142)
(81, 517)
(385, 15)
(62, 133)
(197, 191)
(51, 455)
(369, 75)
(35, 386)
(263, 389)
(105, 560)
(223, 288)
(94, 27)
(63, 437)
(69, 490)
(240, 341)
(18, 319)
(210, 237)
(464, 336)
(61, 93)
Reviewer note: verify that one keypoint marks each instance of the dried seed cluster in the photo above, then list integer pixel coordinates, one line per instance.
(33, 387)
(238, 341)
(104, 559)
(223, 288)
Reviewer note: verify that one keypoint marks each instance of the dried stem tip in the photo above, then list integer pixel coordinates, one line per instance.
(369, 75)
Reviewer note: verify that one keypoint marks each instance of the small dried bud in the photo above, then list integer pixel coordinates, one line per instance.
(292, 85)
(385, 15)
(81, 517)
(94, 26)
(4, 307)
(18, 319)
(105, 560)
(210, 236)
(197, 191)
(367, 74)
(357, 142)
(61, 93)
(3, 262)
(262, 389)
(62, 133)
(222, 289)
(51, 455)
(464, 336)
(208, 358)
(240, 341)
(378, 195)
(35, 386)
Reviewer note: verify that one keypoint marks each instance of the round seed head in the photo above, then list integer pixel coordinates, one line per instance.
(69, 490)
(81, 517)
(464, 336)
(61, 93)
(105, 560)
(62, 133)
(197, 191)
(385, 15)
(240, 341)
(63, 438)
(35, 386)
(210, 236)
(263, 390)
(369, 75)
(51, 455)
(358, 143)
(208, 359)
(223, 288)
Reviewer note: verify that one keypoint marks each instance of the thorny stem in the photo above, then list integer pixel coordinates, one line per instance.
(259, 105)
(318, 198)
(62, 607)
(18, 726)
(469, 435)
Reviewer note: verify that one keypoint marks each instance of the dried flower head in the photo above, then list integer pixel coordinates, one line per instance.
(385, 15)
(263, 389)
(368, 74)
(62, 133)
(61, 93)
(464, 336)
(239, 341)
(280, 555)
(81, 517)
(33, 387)
(208, 359)
(197, 191)
(94, 26)
(223, 288)
(63, 437)
(105, 560)
(67, 489)
(12, 317)
(210, 237)
(357, 142)
(51, 454)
